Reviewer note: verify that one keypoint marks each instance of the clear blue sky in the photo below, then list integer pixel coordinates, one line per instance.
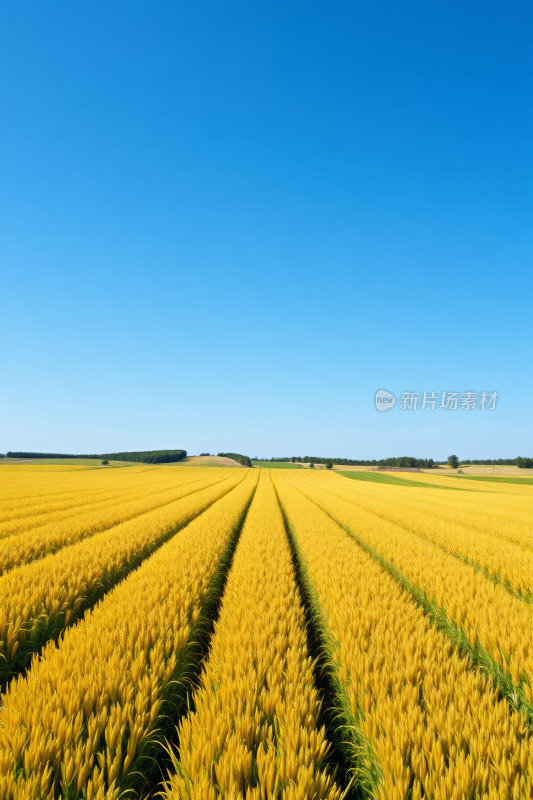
(225, 225)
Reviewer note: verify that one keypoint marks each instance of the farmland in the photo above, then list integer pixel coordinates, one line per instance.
(277, 465)
(75, 462)
(208, 632)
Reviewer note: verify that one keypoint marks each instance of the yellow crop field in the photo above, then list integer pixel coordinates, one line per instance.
(196, 633)
(257, 700)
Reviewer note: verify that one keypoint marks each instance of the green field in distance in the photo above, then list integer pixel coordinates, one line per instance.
(497, 479)
(277, 464)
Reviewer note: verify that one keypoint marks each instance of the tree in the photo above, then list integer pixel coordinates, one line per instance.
(105, 462)
(311, 465)
(329, 464)
(453, 462)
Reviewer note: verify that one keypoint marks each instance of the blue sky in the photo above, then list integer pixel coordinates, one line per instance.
(226, 225)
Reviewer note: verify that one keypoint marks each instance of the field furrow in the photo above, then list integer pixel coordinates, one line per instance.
(503, 561)
(34, 544)
(50, 483)
(255, 731)
(439, 728)
(39, 599)
(90, 716)
(503, 517)
(486, 612)
(203, 633)
(33, 513)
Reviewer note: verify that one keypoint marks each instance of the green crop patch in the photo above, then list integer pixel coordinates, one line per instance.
(495, 478)
(380, 477)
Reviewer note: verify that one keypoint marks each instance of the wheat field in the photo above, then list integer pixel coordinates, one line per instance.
(197, 633)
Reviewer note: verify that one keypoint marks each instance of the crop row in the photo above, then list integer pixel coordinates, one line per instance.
(49, 482)
(475, 483)
(339, 598)
(484, 611)
(85, 720)
(439, 729)
(90, 486)
(504, 516)
(39, 599)
(255, 730)
(51, 537)
(32, 510)
(508, 562)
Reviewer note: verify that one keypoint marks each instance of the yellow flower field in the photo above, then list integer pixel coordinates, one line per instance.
(209, 633)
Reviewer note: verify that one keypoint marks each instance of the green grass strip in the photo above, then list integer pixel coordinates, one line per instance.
(380, 477)
(494, 478)
(479, 657)
(357, 763)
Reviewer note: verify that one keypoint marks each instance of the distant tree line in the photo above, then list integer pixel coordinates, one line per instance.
(402, 461)
(247, 462)
(165, 456)
(519, 461)
(144, 456)
(408, 461)
(148, 456)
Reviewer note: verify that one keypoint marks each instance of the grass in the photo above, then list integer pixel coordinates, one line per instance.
(277, 465)
(380, 477)
(496, 478)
